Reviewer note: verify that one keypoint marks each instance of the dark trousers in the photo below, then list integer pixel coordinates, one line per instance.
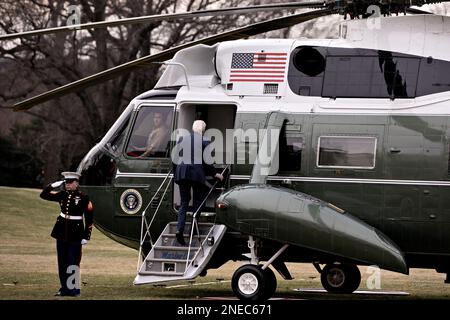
(69, 258)
(199, 193)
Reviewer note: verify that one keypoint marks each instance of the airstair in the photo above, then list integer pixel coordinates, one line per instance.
(168, 260)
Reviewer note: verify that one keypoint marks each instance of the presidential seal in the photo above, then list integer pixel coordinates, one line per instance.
(131, 201)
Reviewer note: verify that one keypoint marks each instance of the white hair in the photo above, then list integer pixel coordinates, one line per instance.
(199, 126)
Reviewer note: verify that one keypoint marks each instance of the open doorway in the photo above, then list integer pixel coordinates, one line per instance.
(216, 116)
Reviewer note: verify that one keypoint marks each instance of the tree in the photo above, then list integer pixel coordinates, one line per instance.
(70, 125)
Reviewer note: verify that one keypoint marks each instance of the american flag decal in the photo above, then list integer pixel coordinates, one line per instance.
(258, 67)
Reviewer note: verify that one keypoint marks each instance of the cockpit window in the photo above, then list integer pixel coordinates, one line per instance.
(150, 137)
(115, 144)
(98, 167)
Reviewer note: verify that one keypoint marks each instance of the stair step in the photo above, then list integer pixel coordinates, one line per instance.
(209, 224)
(156, 273)
(186, 236)
(167, 260)
(171, 252)
(168, 266)
(171, 241)
(176, 248)
(171, 262)
(203, 228)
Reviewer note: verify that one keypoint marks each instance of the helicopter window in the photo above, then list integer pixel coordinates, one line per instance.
(117, 140)
(306, 68)
(433, 76)
(347, 152)
(151, 133)
(309, 61)
(364, 73)
(382, 76)
(291, 145)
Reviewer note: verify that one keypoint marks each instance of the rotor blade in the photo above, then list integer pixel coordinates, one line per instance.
(417, 11)
(238, 33)
(168, 17)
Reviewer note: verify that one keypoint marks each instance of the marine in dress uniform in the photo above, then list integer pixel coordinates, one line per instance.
(69, 231)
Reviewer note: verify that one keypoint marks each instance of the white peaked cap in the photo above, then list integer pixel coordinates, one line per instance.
(71, 175)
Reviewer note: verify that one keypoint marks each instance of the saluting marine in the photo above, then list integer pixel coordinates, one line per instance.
(69, 231)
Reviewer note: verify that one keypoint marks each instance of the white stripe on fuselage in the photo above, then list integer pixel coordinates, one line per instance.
(303, 179)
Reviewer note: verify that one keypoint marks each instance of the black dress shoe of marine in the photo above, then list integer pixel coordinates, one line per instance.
(180, 238)
(71, 293)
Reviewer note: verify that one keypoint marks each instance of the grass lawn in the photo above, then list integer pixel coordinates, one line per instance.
(28, 268)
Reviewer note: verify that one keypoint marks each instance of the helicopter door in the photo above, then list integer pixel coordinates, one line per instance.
(218, 118)
(292, 159)
(414, 151)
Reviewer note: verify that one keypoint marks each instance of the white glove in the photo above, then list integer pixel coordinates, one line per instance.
(84, 241)
(56, 184)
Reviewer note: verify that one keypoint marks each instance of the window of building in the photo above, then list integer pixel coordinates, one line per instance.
(347, 152)
(151, 133)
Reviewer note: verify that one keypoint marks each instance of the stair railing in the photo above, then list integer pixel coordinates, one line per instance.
(144, 222)
(195, 225)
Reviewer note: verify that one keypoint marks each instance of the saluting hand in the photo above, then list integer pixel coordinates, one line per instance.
(57, 184)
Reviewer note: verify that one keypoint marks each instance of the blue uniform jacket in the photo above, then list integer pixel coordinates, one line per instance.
(193, 171)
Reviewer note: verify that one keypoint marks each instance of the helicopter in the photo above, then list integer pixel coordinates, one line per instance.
(358, 169)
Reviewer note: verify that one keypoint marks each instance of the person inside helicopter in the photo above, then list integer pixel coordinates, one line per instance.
(153, 143)
(158, 137)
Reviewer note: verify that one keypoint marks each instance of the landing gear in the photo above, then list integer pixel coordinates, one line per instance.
(252, 283)
(340, 278)
(255, 282)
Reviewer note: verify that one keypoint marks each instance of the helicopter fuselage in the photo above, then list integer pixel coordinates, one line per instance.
(365, 127)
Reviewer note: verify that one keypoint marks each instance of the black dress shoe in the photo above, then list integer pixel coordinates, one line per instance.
(180, 238)
(75, 293)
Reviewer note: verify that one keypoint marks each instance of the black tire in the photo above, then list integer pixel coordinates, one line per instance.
(249, 283)
(340, 278)
(355, 277)
(271, 282)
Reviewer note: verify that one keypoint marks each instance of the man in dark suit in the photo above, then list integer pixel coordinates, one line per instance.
(69, 231)
(191, 173)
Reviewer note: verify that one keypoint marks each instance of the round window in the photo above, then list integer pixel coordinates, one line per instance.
(309, 61)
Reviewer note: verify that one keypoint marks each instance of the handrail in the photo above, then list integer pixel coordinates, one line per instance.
(143, 220)
(195, 224)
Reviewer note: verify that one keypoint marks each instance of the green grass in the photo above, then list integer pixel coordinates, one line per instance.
(28, 268)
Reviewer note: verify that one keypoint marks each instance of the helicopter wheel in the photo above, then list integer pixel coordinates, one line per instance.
(340, 278)
(271, 281)
(251, 283)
